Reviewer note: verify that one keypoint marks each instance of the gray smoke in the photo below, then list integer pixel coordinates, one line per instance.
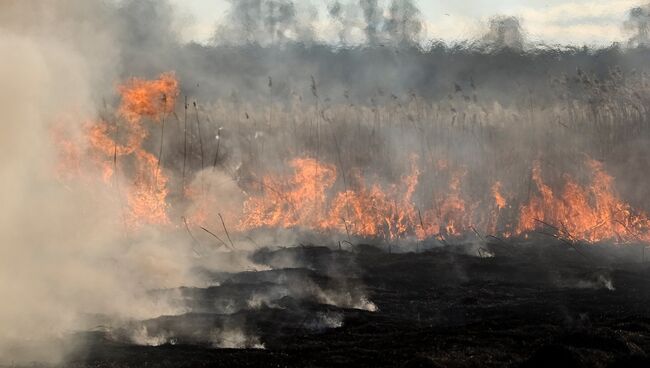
(373, 16)
(266, 22)
(346, 19)
(404, 24)
(638, 22)
(505, 32)
(62, 257)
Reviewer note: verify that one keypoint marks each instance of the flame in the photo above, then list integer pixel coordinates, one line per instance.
(499, 200)
(449, 215)
(111, 143)
(592, 213)
(148, 98)
(375, 211)
(315, 196)
(148, 192)
(296, 201)
(147, 195)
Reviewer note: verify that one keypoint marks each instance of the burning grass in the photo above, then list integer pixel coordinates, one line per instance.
(375, 173)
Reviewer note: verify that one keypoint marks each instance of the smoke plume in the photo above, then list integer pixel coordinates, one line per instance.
(270, 136)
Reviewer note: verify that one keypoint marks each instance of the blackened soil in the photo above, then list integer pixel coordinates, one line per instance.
(533, 304)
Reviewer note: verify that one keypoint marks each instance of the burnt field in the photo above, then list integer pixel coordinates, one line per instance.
(538, 303)
(274, 196)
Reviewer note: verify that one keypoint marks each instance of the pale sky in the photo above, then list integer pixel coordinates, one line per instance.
(578, 22)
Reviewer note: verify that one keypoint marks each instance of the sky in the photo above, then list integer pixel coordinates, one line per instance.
(575, 22)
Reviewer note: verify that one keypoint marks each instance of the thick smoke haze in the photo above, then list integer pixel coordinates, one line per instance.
(266, 88)
(61, 261)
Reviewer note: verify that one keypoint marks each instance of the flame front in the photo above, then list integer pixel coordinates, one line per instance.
(315, 195)
(593, 213)
(117, 148)
(299, 200)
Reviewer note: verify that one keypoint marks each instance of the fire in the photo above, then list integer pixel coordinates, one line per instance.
(116, 148)
(447, 215)
(147, 196)
(592, 213)
(297, 201)
(148, 192)
(499, 200)
(369, 211)
(148, 98)
(304, 200)
(315, 196)
(375, 211)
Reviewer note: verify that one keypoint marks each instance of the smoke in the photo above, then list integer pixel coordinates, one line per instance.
(373, 16)
(404, 25)
(266, 22)
(638, 22)
(346, 18)
(505, 32)
(265, 91)
(61, 260)
(67, 262)
(274, 22)
(34, 69)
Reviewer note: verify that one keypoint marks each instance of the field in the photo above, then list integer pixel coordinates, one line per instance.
(531, 305)
(270, 197)
(501, 235)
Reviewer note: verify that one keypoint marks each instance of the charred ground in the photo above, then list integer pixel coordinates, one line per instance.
(139, 170)
(533, 304)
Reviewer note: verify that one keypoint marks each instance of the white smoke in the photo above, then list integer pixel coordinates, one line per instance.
(61, 259)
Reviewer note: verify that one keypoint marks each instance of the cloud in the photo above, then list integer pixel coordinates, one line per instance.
(577, 22)
(453, 28)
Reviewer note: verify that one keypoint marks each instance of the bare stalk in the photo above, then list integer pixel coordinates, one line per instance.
(225, 229)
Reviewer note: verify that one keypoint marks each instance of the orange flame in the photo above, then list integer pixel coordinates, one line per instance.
(499, 200)
(298, 201)
(374, 211)
(109, 143)
(148, 193)
(148, 98)
(593, 213)
(368, 211)
(308, 197)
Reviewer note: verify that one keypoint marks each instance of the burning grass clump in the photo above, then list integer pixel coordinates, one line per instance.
(407, 169)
